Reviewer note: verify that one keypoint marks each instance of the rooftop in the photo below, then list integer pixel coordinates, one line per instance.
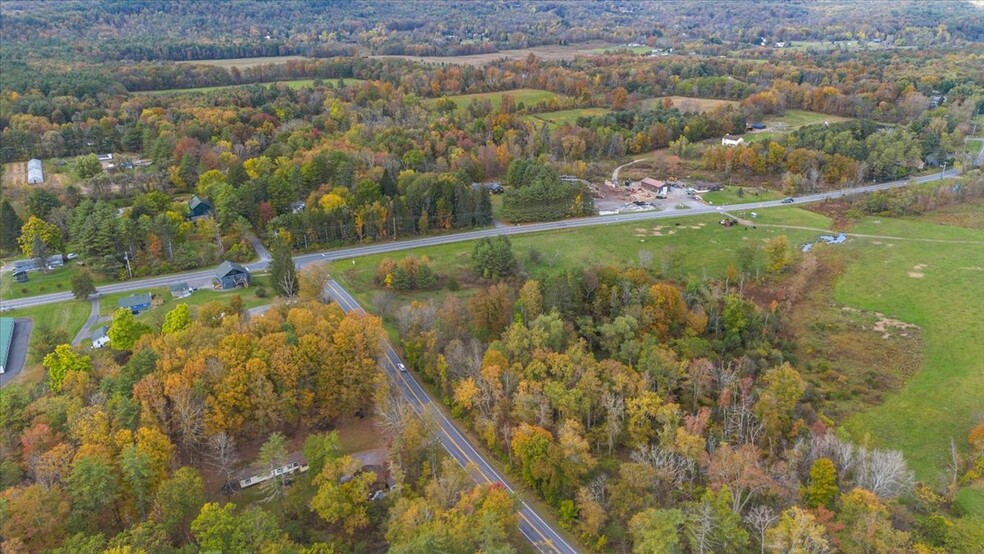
(134, 300)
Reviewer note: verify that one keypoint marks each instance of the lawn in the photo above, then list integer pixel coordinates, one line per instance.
(973, 146)
(68, 316)
(295, 84)
(564, 117)
(688, 105)
(730, 195)
(527, 96)
(39, 282)
(937, 286)
(108, 303)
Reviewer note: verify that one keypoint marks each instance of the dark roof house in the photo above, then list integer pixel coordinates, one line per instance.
(20, 275)
(231, 275)
(180, 290)
(198, 207)
(136, 303)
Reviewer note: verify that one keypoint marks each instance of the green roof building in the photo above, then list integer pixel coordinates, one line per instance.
(6, 336)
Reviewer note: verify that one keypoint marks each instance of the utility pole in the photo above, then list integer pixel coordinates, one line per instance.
(126, 256)
(942, 173)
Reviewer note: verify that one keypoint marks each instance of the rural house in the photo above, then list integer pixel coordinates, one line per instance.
(136, 303)
(20, 275)
(231, 275)
(731, 140)
(35, 175)
(100, 337)
(198, 207)
(295, 463)
(180, 290)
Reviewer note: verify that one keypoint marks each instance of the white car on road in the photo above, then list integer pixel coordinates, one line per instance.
(402, 367)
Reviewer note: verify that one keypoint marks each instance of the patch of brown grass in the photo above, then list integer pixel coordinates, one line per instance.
(852, 358)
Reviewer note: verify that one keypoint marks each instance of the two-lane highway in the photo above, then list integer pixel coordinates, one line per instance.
(541, 534)
(383, 247)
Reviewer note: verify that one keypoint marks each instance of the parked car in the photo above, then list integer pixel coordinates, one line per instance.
(788, 200)
(71, 256)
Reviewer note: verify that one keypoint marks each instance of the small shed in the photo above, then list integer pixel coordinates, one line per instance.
(20, 275)
(180, 290)
(652, 184)
(136, 303)
(35, 175)
(100, 337)
(231, 275)
(198, 207)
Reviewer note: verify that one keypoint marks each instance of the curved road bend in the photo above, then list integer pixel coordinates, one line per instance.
(378, 248)
(543, 536)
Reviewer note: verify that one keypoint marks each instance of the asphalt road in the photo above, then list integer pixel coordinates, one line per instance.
(543, 536)
(378, 248)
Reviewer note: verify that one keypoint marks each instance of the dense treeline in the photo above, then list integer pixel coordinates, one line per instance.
(654, 417)
(141, 30)
(127, 450)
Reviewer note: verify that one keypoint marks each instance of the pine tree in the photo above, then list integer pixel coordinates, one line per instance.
(10, 226)
(483, 208)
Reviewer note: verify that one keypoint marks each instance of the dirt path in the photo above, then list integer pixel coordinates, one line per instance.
(860, 235)
(619, 168)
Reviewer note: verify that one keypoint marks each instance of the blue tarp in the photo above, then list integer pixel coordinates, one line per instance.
(829, 239)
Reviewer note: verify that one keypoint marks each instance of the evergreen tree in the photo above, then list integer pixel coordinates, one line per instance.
(483, 207)
(40, 203)
(10, 226)
(283, 272)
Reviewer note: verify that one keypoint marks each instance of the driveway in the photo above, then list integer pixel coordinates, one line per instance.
(86, 329)
(18, 349)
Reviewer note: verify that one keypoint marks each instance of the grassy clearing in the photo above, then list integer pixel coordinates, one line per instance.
(687, 104)
(970, 501)
(527, 96)
(730, 195)
(973, 146)
(938, 287)
(295, 84)
(705, 245)
(246, 62)
(564, 117)
(621, 50)
(792, 120)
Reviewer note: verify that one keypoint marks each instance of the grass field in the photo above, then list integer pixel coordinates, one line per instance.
(973, 146)
(730, 195)
(564, 117)
(688, 105)
(621, 49)
(705, 245)
(246, 62)
(296, 84)
(527, 96)
(937, 286)
(792, 120)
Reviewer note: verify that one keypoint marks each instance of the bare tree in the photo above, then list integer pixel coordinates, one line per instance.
(760, 518)
(223, 456)
(187, 419)
(701, 528)
(614, 407)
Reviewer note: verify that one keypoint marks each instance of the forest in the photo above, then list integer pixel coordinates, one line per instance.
(649, 397)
